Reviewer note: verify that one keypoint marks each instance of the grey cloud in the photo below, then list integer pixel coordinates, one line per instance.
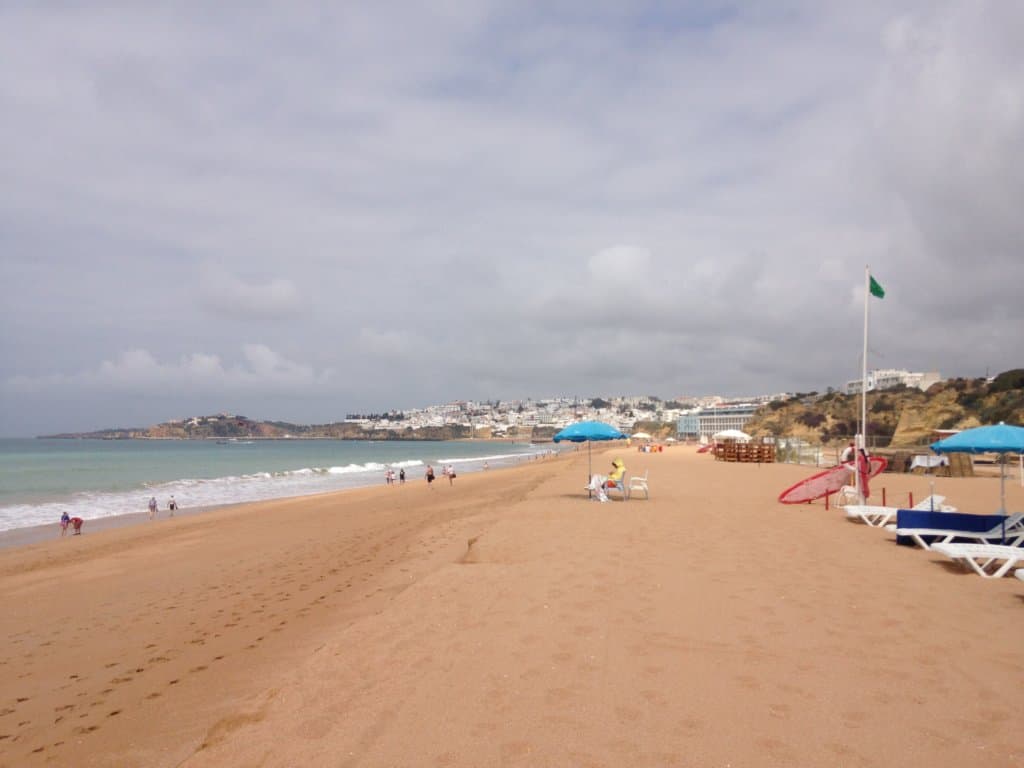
(404, 205)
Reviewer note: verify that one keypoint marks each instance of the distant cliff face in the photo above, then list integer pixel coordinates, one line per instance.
(904, 417)
(227, 427)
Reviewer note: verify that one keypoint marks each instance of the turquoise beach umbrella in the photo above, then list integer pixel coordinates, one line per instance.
(587, 432)
(996, 438)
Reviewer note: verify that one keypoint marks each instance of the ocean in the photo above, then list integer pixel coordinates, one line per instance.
(40, 479)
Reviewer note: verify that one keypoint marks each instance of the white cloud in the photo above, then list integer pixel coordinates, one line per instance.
(223, 292)
(137, 371)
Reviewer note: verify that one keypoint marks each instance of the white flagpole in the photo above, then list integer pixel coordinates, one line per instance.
(863, 387)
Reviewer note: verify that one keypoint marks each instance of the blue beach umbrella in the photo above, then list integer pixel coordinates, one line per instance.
(587, 432)
(997, 438)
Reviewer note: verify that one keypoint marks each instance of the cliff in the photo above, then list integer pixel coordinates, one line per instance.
(224, 427)
(898, 417)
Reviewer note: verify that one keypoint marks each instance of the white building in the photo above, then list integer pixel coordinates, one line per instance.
(705, 422)
(887, 378)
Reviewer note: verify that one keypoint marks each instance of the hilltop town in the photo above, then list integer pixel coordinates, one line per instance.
(904, 408)
(530, 419)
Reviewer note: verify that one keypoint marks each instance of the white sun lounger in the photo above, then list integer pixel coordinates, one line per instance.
(1019, 573)
(1012, 528)
(984, 559)
(870, 514)
(877, 517)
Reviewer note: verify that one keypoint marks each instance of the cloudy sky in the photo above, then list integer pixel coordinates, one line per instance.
(298, 211)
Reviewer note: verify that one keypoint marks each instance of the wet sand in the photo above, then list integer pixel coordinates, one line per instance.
(506, 620)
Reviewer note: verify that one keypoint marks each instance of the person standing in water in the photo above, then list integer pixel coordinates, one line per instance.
(152, 507)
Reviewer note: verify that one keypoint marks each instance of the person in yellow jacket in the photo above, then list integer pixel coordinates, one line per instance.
(615, 476)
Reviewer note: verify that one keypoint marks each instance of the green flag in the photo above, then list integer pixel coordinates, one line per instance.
(876, 288)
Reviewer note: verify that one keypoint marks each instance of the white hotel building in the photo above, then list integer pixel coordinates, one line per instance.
(887, 378)
(705, 422)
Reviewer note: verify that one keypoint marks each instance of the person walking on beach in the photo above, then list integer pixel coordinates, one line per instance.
(401, 476)
(152, 507)
(172, 506)
(76, 523)
(430, 476)
(450, 471)
(65, 518)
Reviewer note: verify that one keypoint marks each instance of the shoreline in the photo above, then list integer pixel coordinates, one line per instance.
(115, 507)
(292, 439)
(35, 534)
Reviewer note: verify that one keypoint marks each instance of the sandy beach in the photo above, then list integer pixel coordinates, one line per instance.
(505, 620)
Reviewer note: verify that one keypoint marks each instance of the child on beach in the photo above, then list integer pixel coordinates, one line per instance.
(152, 507)
(76, 523)
(65, 518)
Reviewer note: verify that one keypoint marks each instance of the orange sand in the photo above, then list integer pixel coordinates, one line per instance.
(708, 626)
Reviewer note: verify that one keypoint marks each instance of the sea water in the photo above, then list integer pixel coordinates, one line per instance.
(40, 479)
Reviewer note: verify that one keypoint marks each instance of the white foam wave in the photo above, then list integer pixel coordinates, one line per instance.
(192, 493)
(495, 457)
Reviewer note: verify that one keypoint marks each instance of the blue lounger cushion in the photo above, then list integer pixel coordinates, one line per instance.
(944, 521)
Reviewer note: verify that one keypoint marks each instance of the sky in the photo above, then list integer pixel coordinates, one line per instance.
(296, 211)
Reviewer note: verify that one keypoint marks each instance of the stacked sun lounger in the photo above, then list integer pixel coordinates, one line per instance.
(927, 530)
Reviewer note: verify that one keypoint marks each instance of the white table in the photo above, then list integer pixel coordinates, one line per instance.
(929, 462)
